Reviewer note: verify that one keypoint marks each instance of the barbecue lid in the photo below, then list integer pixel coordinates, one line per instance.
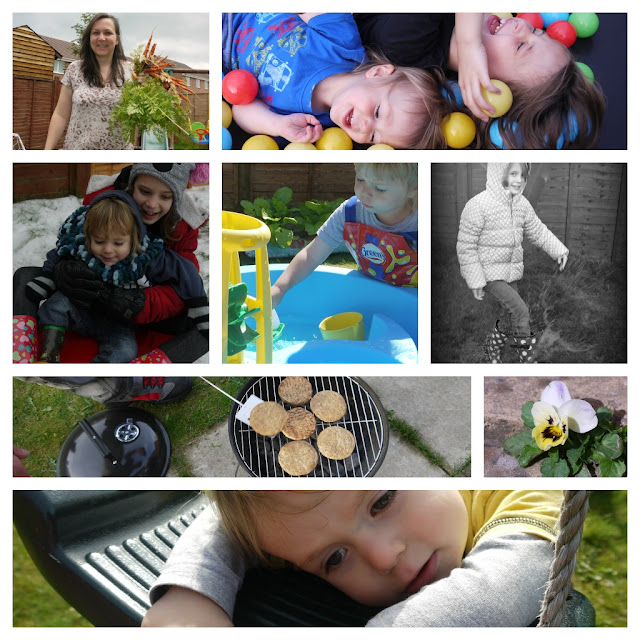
(117, 442)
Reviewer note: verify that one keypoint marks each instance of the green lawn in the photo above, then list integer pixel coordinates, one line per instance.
(43, 417)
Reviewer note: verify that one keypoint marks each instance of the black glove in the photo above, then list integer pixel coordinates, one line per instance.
(40, 288)
(198, 311)
(86, 290)
(78, 282)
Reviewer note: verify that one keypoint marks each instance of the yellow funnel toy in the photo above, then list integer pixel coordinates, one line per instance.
(343, 326)
(244, 233)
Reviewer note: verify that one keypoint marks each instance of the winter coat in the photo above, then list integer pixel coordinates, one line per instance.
(492, 227)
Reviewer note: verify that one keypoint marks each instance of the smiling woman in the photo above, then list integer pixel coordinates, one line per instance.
(91, 87)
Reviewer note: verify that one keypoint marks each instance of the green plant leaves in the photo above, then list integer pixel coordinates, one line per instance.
(527, 418)
(604, 446)
(551, 469)
(289, 224)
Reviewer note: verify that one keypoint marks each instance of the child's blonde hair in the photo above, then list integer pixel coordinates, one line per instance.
(426, 95)
(406, 172)
(115, 214)
(239, 512)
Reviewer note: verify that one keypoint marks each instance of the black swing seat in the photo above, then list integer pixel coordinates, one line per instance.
(102, 551)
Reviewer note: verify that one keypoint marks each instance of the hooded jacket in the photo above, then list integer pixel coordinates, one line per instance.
(492, 227)
(154, 265)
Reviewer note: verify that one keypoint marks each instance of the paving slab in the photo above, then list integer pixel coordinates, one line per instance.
(439, 408)
(503, 400)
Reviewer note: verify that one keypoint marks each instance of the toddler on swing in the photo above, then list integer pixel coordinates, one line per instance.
(421, 558)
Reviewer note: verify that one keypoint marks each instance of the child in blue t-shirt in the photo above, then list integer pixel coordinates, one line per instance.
(313, 71)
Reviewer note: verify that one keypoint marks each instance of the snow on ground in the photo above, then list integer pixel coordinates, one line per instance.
(36, 224)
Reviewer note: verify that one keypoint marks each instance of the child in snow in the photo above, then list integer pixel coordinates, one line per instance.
(110, 238)
(312, 71)
(421, 558)
(554, 105)
(379, 226)
(492, 227)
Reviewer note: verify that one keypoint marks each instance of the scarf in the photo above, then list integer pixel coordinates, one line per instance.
(71, 242)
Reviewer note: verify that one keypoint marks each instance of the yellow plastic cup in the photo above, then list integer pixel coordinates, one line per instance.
(343, 326)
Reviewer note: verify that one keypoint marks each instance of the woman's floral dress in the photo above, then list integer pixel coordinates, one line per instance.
(90, 112)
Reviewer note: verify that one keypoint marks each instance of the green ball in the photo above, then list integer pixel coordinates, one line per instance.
(586, 69)
(586, 24)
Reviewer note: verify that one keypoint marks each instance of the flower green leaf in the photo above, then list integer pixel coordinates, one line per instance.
(550, 469)
(604, 413)
(527, 418)
(583, 473)
(284, 195)
(515, 444)
(529, 454)
(611, 446)
(574, 458)
(612, 468)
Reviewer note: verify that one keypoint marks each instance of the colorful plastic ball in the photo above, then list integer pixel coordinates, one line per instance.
(227, 143)
(239, 87)
(496, 136)
(588, 72)
(503, 15)
(459, 130)
(380, 146)
(260, 143)
(501, 102)
(586, 24)
(334, 139)
(226, 115)
(457, 93)
(300, 146)
(534, 19)
(549, 18)
(562, 31)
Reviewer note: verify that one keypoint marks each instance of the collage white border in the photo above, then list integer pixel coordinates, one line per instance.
(476, 371)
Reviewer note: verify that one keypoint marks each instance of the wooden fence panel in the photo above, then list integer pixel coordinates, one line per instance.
(583, 204)
(317, 181)
(42, 180)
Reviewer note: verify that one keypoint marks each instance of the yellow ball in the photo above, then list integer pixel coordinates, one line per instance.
(226, 115)
(334, 139)
(503, 15)
(260, 143)
(459, 130)
(501, 102)
(300, 146)
(380, 145)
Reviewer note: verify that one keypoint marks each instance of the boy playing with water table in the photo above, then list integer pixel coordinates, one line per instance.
(379, 226)
(422, 558)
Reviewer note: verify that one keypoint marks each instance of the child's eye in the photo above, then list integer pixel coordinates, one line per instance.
(383, 502)
(521, 45)
(377, 112)
(335, 559)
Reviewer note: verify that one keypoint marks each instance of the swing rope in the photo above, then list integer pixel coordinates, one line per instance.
(570, 525)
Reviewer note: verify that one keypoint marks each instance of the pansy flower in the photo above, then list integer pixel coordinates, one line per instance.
(556, 413)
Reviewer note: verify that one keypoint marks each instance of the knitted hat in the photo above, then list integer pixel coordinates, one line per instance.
(175, 175)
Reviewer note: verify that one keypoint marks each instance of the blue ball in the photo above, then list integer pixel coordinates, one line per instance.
(496, 138)
(457, 93)
(226, 139)
(549, 18)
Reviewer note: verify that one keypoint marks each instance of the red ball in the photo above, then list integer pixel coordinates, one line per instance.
(239, 87)
(534, 19)
(562, 31)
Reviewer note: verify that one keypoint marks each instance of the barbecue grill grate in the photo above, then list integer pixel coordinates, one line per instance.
(366, 419)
